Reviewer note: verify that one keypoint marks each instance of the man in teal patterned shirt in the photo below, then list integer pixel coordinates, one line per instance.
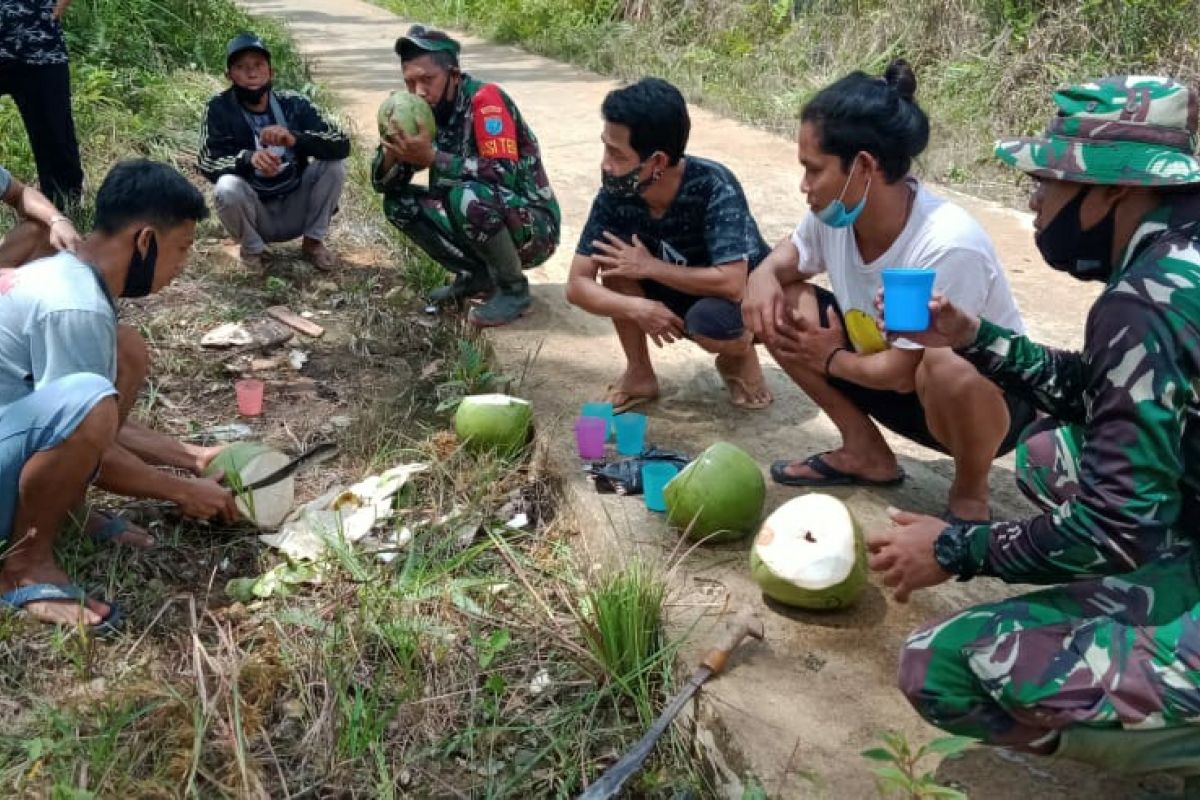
(1105, 667)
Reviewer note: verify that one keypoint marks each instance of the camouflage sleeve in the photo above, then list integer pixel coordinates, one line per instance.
(494, 139)
(1128, 497)
(395, 178)
(1050, 379)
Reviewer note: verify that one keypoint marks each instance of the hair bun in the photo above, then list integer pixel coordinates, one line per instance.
(900, 76)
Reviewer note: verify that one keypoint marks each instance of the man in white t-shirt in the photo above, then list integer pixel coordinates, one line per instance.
(869, 215)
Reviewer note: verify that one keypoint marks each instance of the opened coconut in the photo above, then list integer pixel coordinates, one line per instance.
(242, 464)
(495, 422)
(810, 554)
(405, 111)
(718, 497)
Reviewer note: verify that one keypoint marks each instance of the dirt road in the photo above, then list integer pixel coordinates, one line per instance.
(798, 709)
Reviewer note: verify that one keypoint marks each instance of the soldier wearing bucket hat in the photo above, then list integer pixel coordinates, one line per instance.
(488, 212)
(1106, 667)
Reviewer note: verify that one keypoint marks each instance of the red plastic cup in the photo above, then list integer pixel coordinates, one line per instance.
(249, 397)
(590, 433)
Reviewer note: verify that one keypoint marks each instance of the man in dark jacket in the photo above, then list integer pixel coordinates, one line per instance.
(277, 162)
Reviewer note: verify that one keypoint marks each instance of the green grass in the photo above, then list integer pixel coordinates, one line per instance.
(457, 669)
(985, 68)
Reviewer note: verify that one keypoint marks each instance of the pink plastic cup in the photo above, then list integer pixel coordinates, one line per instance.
(590, 433)
(249, 397)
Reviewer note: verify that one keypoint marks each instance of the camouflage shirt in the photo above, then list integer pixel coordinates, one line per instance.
(29, 33)
(485, 140)
(1134, 393)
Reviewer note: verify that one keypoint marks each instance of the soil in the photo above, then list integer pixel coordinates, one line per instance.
(797, 709)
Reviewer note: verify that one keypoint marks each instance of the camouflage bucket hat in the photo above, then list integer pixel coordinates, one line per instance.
(419, 40)
(1129, 130)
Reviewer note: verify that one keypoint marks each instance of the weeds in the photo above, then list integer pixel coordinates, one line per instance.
(903, 777)
(985, 68)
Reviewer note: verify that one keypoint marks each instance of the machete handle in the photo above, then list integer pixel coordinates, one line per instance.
(746, 624)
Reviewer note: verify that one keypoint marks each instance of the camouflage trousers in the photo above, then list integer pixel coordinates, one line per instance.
(1115, 651)
(449, 225)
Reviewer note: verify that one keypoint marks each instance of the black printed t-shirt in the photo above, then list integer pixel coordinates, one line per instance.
(708, 223)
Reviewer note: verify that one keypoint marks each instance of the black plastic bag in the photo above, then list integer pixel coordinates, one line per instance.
(625, 476)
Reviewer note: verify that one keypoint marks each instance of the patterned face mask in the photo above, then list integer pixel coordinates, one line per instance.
(627, 185)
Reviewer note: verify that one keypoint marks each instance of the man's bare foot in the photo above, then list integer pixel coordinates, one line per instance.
(317, 254)
(743, 377)
(632, 389)
(876, 467)
(130, 535)
(54, 612)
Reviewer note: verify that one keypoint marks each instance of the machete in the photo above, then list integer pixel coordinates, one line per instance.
(315, 454)
(714, 663)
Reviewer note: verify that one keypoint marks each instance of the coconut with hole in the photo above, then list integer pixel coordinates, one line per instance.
(810, 554)
(406, 111)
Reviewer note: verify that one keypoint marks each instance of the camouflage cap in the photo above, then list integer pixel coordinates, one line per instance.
(419, 40)
(1126, 129)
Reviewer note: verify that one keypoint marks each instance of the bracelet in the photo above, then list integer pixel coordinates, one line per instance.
(829, 360)
(57, 218)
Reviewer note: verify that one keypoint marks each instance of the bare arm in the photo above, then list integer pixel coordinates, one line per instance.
(123, 473)
(654, 318)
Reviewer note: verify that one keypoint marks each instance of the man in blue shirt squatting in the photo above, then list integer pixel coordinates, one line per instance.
(667, 247)
(1104, 666)
(69, 375)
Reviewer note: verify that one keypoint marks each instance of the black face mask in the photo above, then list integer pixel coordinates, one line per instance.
(443, 109)
(249, 97)
(140, 279)
(1085, 255)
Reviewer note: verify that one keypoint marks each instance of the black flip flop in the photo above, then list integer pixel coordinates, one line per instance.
(830, 475)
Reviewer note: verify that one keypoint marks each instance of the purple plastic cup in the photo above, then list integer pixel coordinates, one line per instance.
(590, 433)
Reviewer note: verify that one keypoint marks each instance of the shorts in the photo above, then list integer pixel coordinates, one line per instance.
(42, 421)
(708, 317)
(902, 412)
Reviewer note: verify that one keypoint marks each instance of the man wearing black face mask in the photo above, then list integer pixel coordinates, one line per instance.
(69, 375)
(671, 240)
(488, 213)
(1105, 668)
(277, 162)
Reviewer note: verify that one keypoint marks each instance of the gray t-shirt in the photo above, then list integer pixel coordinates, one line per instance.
(56, 319)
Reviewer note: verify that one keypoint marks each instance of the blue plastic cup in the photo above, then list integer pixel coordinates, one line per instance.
(655, 477)
(906, 295)
(602, 410)
(631, 433)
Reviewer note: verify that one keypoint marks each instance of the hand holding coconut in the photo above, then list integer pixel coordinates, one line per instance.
(949, 326)
(904, 553)
(415, 149)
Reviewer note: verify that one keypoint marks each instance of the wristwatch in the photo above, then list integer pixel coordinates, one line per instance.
(57, 218)
(952, 551)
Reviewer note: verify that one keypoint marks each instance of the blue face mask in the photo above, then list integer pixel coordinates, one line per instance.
(836, 215)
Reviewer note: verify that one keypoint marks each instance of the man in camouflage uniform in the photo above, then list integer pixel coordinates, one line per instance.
(1104, 668)
(489, 212)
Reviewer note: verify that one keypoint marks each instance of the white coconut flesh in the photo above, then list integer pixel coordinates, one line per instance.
(494, 400)
(809, 542)
(248, 462)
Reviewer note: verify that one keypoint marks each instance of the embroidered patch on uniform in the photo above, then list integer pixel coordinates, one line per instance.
(495, 128)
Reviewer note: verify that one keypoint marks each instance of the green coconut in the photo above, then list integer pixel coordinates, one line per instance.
(242, 464)
(495, 422)
(405, 111)
(810, 554)
(718, 497)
